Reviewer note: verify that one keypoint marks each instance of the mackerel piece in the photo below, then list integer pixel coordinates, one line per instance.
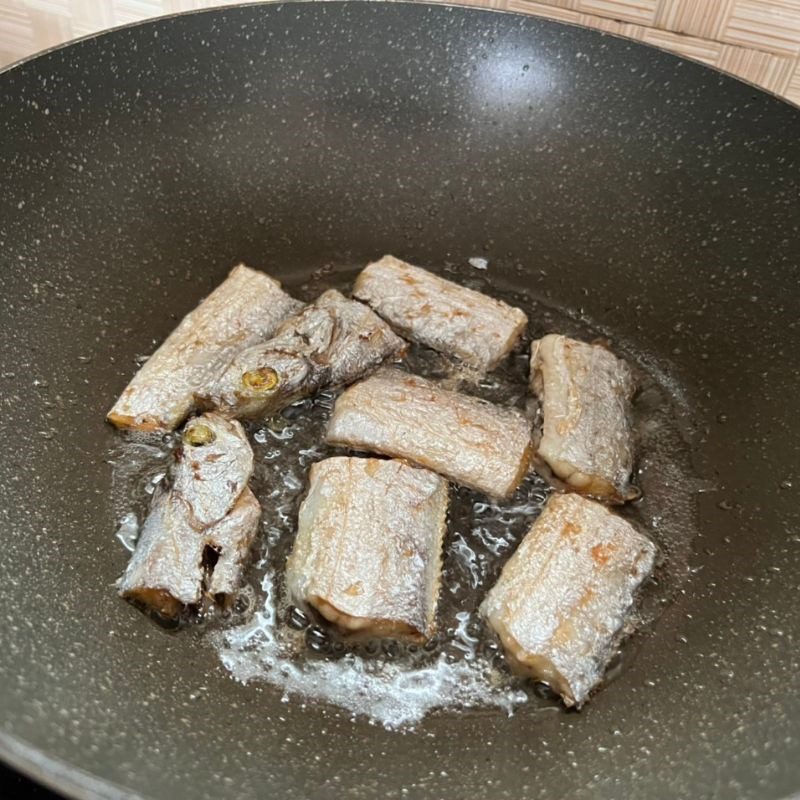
(245, 308)
(584, 394)
(470, 441)
(562, 600)
(330, 343)
(456, 321)
(368, 552)
(197, 537)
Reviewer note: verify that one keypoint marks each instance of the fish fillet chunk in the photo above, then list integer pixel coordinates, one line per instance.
(244, 309)
(368, 551)
(330, 343)
(470, 441)
(197, 536)
(456, 321)
(562, 601)
(584, 394)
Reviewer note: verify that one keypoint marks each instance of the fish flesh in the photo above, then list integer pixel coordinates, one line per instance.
(244, 309)
(368, 551)
(561, 603)
(470, 441)
(169, 568)
(330, 343)
(584, 394)
(473, 327)
(197, 536)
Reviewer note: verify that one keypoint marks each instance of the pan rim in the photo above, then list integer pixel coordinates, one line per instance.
(58, 775)
(429, 3)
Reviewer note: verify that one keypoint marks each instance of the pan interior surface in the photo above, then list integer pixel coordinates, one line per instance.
(650, 196)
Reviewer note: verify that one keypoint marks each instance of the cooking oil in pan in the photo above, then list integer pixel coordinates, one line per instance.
(265, 639)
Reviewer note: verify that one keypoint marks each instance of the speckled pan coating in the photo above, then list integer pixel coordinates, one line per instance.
(653, 196)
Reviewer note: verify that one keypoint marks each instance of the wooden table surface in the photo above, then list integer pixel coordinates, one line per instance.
(758, 40)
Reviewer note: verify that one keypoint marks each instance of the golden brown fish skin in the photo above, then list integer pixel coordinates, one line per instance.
(368, 551)
(460, 322)
(470, 441)
(330, 343)
(244, 309)
(584, 394)
(208, 505)
(562, 601)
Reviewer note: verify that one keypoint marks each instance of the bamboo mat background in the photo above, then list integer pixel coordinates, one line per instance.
(758, 40)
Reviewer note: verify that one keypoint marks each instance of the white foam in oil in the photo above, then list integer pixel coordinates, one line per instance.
(395, 685)
(393, 691)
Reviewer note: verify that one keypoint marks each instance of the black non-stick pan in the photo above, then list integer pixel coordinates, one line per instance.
(652, 195)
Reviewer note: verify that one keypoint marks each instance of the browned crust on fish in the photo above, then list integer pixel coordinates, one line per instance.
(368, 550)
(330, 343)
(452, 319)
(470, 441)
(368, 628)
(244, 309)
(159, 601)
(560, 604)
(144, 424)
(585, 442)
(207, 508)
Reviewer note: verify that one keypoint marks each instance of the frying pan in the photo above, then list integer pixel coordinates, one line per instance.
(650, 194)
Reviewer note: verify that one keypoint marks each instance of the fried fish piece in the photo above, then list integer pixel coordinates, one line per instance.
(584, 393)
(245, 308)
(368, 552)
(468, 440)
(562, 600)
(197, 536)
(331, 342)
(456, 321)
